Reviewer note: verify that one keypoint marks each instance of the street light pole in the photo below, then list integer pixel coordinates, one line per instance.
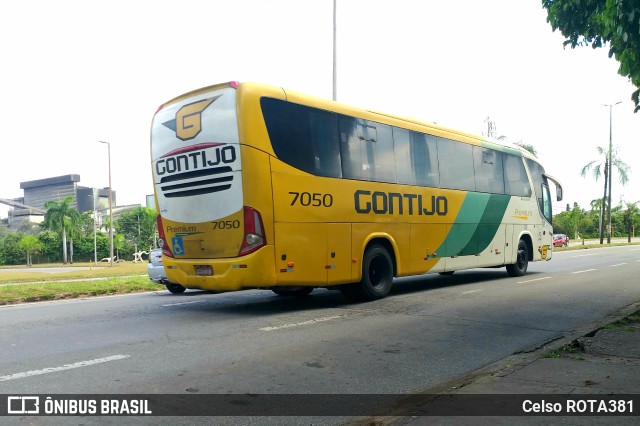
(95, 239)
(335, 58)
(610, 166)
(110, 207)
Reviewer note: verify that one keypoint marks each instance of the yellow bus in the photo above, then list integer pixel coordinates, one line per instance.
(261, 187)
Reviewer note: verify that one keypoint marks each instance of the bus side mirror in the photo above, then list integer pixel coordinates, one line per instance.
(559, 193)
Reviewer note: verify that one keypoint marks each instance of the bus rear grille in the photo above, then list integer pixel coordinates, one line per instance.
(196, 182)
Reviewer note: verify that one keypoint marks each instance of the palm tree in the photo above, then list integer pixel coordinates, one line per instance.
(30, 244)
(597, 167)
(72, 225)
(59, 217)
(630, 215)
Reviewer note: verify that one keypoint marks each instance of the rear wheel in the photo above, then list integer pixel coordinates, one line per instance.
(175, 288)
(377, 275)
(298, 292)
(519, 268)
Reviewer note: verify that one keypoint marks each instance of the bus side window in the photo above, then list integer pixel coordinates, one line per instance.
(303, 137)
(416, 158)
(488, 170)
(366, 150)
(516, 181)
(456, 165)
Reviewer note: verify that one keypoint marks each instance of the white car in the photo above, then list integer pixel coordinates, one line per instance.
(156, 272)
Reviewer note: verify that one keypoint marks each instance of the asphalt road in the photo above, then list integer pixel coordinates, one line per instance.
(431, 329)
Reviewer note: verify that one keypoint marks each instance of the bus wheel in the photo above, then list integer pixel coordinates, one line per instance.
(175, 288)
(299, 292)
(519, 268)
(377, 275)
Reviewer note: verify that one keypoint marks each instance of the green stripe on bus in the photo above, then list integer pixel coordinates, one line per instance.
(476, 225)
(489, 224)
(465, 225)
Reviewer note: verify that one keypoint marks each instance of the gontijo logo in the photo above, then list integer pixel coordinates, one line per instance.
(188, 121)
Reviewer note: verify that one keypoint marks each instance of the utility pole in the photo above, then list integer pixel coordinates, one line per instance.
(335, 57)
(610, 166)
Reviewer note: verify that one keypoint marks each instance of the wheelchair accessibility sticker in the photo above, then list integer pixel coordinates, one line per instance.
(177, 246)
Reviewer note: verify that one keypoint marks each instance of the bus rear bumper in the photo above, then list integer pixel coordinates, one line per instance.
(251, 271)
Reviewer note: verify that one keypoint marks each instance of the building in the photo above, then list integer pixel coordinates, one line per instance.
(38, 192)
(30, 207)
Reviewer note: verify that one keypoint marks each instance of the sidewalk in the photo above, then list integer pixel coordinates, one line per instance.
(602, 362)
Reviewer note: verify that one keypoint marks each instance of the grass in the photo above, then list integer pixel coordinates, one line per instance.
(591, 244)
(21, 293)
(11, 274)
(33, 286)
(623, 324)
(572, 348)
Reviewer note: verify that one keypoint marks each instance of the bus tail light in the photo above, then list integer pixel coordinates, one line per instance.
(166, 250)
(253, 232)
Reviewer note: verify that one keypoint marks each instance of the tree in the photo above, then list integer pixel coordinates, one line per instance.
(10, 254)
(599, 22)
(597, 167)
(30, 244)
(630, 216)
(119, 243)
(138, 227)
(73, 228)
(59, 217)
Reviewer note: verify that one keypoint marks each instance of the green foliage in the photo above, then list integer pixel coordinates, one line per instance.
(29, 244)
(61, 217)
(600, 22)
(10, 253)
(51, 241)
(579, 223)
(138, 227)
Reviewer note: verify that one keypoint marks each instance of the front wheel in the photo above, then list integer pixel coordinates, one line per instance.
(377, 276)
(175, 288)
(519, 268)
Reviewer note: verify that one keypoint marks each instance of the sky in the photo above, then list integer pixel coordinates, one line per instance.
(75, 72)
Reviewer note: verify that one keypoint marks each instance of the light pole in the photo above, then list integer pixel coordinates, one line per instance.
(335, 59)
(95, 239)
(610, 166)
(110, 207)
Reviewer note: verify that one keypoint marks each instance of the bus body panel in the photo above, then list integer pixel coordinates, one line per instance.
(252, 271)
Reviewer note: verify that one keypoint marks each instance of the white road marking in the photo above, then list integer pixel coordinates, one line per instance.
(472, 291)
(584, 255)
(183, 303)
(535, 279)
(618, 264)
(62, 368)
(586, 270)
(313, 321)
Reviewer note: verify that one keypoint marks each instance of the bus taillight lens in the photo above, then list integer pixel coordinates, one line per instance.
(253, 232)
(166, 250)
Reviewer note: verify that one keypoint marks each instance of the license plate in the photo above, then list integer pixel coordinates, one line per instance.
(204, 270)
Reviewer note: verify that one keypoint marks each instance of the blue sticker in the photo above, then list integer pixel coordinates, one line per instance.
(178, 246)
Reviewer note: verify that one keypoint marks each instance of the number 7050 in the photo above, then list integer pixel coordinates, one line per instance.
(311, 199)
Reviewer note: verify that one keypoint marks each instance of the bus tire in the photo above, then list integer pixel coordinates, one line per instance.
(519, 268)
(300, 292)
(377, 275)
(175, 288)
